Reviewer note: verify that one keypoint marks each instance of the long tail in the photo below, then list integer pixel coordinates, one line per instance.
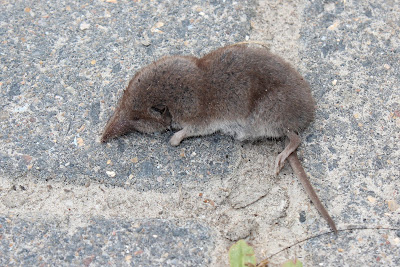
(301, 174)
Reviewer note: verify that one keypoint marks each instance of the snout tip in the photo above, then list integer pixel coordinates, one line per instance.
(104, 138)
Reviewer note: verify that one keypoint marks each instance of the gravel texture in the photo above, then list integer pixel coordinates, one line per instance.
(68, 200)
(64, 65)
(351, 57)
(104, 242)
(355, 72)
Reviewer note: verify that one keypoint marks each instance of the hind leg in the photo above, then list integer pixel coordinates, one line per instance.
(294, 142)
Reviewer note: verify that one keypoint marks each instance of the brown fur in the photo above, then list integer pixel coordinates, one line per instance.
(245, 92)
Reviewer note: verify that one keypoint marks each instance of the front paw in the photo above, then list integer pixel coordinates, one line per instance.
(175, 140)
(178, 137)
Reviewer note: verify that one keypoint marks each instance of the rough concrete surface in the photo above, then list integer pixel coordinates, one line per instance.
(68, 200)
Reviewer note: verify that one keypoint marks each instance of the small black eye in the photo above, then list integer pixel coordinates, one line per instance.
(159, 109)
(138, 80)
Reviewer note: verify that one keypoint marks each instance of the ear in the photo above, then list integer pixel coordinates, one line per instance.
(159, 110)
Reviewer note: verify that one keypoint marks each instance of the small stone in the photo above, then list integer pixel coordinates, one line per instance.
(128, 258)
(334, 82)
(386, 66)
(60, 117)
(70, 89)
(371, 199)
(84, 26)
(302, 218)
(156, 27)
(111, 173)
(138, 252)
(333, 26)
(146, 42)
(165, 255)
(81, 128)
(392, 205)
(80, 142)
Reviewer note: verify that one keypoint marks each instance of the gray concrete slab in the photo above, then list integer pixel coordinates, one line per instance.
(66, 199)
(104, 242)
(66, 64)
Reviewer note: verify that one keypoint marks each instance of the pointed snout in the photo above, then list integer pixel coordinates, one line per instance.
(108, 132)
(116, 126)
(105, 136)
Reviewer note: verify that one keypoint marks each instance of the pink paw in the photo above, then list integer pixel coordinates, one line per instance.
(279, 163)
(175, 140)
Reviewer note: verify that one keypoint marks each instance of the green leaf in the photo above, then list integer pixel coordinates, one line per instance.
(241, 255)
(292, 263)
